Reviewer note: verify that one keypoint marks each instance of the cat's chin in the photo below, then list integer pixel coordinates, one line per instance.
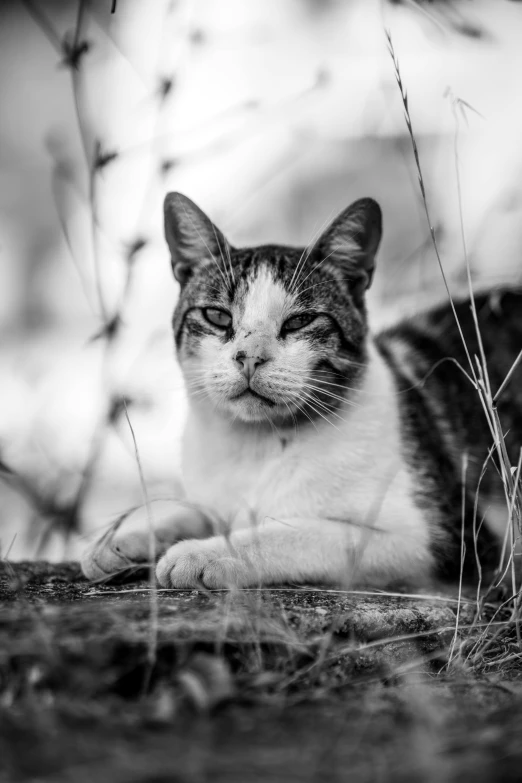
(252, 408)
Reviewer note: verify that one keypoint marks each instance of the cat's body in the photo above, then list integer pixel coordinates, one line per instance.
(446, 437)
(313, 451)
(310, 473)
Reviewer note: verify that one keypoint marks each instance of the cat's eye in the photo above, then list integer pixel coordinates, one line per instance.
(297, 322)
(217, 317)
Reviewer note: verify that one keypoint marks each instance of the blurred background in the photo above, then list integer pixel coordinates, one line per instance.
(272, 115)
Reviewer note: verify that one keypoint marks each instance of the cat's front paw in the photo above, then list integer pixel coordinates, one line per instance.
(118, 552)
(141, 536)
(211, 563)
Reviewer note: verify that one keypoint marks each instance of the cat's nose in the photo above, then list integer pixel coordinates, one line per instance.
(248, 364)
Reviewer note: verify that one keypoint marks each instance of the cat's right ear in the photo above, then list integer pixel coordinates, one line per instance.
(191, 236)
(351, 241)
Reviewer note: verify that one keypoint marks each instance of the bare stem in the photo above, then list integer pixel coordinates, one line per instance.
(153, 620)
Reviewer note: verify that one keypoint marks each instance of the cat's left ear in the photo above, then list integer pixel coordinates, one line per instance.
(352, 240)
(191, 236)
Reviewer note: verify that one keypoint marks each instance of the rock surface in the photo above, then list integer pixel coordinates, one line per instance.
(125, 683)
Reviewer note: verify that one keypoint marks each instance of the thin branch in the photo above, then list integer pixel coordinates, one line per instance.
(153, 624)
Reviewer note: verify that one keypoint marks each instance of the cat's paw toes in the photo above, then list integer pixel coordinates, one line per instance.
(116, 553)
(210, 564)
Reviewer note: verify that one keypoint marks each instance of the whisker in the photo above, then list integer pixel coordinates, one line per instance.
(229, 279)
(337, 385)
(299, 379)
(330, 412)
(353, 363)
(309, 247)
(198, 393)
(318, 412)
(303, 411)
(332, 395)
(296, 270)
(194, 384)
(316, 267)
(227, 251)
(334, 372)
(307, 401)
(325, 407)
(325, 282)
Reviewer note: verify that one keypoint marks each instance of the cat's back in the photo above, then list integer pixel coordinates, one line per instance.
(434, 349)
(434, 334)
(435, 362)
(435, 358)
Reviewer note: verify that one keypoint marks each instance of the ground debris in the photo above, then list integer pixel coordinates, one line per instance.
(97, 687)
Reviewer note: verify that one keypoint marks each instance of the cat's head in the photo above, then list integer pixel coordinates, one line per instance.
(271, 333)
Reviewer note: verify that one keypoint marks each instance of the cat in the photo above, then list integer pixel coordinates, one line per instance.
(314, 451)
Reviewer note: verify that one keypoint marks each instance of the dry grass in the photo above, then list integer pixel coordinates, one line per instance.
(479, 378)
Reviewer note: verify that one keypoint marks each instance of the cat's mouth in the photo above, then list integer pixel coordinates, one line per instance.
(248, 392)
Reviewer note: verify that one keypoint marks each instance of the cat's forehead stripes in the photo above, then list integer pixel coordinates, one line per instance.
(263, 300)
(279, 261)
(267, 268)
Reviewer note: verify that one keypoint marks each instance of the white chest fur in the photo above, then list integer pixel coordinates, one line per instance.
(349, 468)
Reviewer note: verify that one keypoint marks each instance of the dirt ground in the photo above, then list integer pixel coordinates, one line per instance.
(117, 683)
